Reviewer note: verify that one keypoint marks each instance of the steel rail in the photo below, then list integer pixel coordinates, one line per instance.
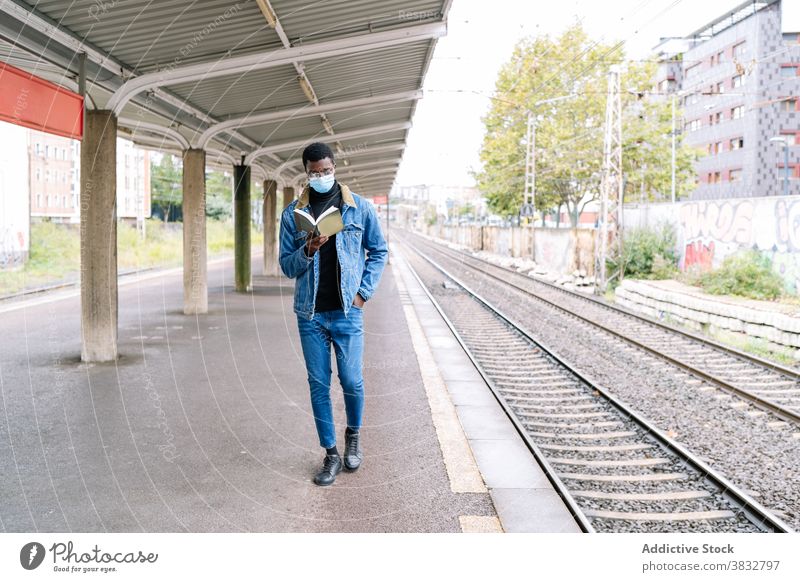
(763, 403)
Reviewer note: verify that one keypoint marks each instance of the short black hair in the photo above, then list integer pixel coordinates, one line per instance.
(317, 151)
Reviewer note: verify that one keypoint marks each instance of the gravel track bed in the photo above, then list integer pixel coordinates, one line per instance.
(716, 526)
(701, 504)
(453, 301)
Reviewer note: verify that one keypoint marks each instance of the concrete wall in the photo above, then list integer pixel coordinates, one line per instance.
(709, 231)
(560, 250)
(700, 311)
(514, 242)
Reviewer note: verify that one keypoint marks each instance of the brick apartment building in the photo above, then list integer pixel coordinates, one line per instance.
(738, 81)
(54, 168)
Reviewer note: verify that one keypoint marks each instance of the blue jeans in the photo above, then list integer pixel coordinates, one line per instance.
(346, 333)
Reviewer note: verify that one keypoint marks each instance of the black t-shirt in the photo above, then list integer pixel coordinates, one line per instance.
(329, 292)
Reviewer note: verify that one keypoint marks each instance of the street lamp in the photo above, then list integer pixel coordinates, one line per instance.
(785, 141)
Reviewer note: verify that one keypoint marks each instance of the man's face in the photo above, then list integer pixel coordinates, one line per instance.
(319, 168)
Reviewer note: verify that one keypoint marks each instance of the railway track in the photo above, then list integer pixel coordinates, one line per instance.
(615, 470)
(767, 385)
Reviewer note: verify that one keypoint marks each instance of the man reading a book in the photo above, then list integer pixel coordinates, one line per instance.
(331, 243)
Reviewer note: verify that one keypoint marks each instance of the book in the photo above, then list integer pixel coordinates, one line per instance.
(327, 224)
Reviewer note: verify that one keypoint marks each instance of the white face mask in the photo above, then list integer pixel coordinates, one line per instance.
(322, 184)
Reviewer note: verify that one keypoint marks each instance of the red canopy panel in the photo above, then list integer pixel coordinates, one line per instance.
(30, 101)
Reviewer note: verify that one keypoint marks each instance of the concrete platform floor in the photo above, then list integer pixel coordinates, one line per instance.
(204, 423)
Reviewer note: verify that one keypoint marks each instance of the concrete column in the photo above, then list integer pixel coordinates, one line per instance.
(288, 196)
(241, 228)
(99, 308)
(195, 274)
(270, 228)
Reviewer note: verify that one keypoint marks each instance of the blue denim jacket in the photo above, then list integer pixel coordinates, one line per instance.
(360, 271)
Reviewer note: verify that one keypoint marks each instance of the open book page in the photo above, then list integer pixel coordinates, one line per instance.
(327, 224)
(330, 222)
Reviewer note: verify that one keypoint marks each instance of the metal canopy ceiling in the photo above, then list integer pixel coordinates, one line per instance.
(254, 78)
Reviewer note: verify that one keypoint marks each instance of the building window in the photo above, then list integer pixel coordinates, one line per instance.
(694, 125)
(739, 50)
(737, 81)
(714, 177)
(692, 71)
(792, 138)
(737, 143)
(785, 172)
(720, 87)
(788, 71)
(38, 200)
(737, 112)
(38, 148)
(47, 176)
(789, 104)
(735, 175)
(38, 174)
(47, 151)
(718, 117)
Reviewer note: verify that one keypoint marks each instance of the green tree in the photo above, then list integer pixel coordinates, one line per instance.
(166, 184)
(569, 132)
(219, 195)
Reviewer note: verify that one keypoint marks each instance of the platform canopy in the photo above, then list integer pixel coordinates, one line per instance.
(255, 78)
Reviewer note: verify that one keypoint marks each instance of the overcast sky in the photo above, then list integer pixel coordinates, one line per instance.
(444, 142)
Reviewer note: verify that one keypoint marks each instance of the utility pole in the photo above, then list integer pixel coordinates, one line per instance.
(530, 164)
(530, 154)
(610, 220)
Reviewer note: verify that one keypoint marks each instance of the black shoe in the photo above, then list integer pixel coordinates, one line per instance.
(352, 451)
(331, 467)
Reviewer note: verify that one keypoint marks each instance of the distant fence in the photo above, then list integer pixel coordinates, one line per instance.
(560, 250)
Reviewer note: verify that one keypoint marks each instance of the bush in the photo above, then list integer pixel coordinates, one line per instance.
(650, 253)
(747, 274)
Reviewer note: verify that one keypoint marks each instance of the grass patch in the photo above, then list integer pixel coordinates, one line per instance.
(755, 346)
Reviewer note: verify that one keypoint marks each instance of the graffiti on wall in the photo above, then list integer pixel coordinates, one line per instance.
(708, 225)
(785, 252)
(709, 231)
(699, 255)
(11, 245)
(787, 225)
